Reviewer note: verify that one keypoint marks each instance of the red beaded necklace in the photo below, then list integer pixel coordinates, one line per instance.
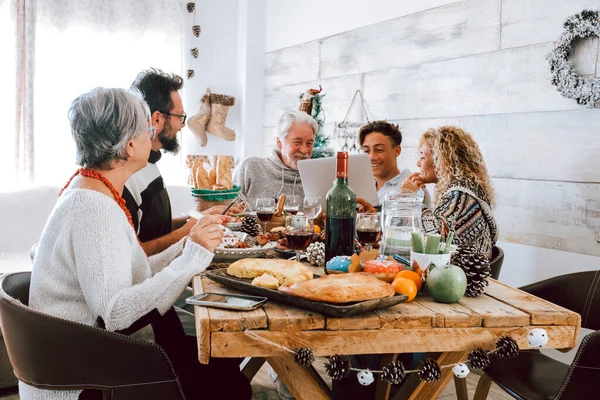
(95, 175)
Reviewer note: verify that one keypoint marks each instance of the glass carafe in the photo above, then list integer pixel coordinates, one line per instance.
(400, 217)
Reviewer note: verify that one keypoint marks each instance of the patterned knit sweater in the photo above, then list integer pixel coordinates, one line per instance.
(467, 211)
(89, 264)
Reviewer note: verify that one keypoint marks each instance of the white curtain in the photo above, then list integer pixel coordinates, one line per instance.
(55, 50)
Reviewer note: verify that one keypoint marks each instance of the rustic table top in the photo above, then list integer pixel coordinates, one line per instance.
(422, 325)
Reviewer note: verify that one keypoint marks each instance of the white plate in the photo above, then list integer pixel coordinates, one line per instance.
(234, 226)
(222, 254)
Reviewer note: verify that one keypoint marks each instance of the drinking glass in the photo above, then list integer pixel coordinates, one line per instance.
(368, 228)
(312, 207)
(292, 204)
(298, 232)
(265, 208)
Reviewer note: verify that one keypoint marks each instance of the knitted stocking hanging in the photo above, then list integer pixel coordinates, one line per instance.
(219, 104)
(198, 121)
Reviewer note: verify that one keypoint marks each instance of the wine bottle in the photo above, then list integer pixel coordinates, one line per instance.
(341, 213)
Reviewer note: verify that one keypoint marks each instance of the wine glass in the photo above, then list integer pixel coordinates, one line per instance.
(292, 204)
(265, 208)
(368, 228)
(312, 207)
(298, 232)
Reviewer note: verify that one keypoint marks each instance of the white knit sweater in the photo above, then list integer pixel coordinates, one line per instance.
(89, 264)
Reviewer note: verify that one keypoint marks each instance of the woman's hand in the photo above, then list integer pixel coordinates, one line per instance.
(413, 182)
(207, 232)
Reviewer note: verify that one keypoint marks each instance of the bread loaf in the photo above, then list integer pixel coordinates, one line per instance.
(340, 288)
(266, 281)
(286, 271)
(202, 180)
(224, 174)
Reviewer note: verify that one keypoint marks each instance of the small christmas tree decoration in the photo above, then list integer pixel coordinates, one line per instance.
(190, 73)
(194, 52)
(338, 367)
(477, 269)
(315, 254)
(196, 30)
(250, 225)
(393, 373)
(537, 337)
(304, 356)
(430, 371)
(365, 378)
(478, 359)
(461, 370)
(507, 348)
(310, 103)
(191, 7)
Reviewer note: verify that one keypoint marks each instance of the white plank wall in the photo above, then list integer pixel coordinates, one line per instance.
(478, 64)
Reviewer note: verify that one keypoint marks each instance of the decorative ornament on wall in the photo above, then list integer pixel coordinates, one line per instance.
(196, 30)
(585, 91)
(191, 7)
(190, 73)
(194, 52)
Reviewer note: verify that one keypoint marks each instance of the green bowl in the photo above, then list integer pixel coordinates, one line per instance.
(216, 195)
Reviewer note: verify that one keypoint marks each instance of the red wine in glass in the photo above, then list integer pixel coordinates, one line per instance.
(368, 236)
(291, 210)
(299, 240)
(264, 216)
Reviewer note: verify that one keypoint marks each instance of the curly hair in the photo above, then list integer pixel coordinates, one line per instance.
(456, 156)
(156, 86)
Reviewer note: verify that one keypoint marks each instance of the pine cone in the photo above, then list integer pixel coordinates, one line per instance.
(196, 30)
(338, 367)
(194, 52)
(477, 269)
(304, 357)
(507, 348)
(478, 359)
(250, 226)
(430, 371)
(191, 7)
(393, 373)
(190, 73)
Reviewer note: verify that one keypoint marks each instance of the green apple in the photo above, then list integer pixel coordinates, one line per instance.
(446, 283)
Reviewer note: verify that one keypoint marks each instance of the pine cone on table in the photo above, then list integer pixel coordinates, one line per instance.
(250, 226)
(477, 269)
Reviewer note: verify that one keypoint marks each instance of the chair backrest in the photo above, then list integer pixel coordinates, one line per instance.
(49, 352)
(577, 292)
(584, 373)
(496, 263)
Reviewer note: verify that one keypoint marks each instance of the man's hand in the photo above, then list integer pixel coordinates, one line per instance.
(217, 210)
(207, 232)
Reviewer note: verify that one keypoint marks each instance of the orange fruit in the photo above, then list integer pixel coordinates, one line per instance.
(412, 275)
(405, 286)
(316, 229)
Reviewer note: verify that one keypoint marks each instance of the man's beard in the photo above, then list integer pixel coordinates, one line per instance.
(169, 143)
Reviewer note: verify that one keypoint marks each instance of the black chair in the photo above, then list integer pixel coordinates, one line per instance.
(47, 352)
(534, 376)
(496, 262)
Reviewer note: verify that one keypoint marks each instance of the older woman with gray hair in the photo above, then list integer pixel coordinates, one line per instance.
(90, 267)
(277, 173)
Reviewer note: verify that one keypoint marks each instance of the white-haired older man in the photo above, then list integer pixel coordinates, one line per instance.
(277, 173)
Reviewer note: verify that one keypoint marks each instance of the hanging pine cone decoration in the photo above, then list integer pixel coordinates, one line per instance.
(476, 267)
(507, 348)
(478, 359)
(191, 7)
(194, 52)
(250, 226)
(393, 373)
(430, 371)
(190, 73)
(315, 254)
(304, 357)
(196, 30)
(338, 367)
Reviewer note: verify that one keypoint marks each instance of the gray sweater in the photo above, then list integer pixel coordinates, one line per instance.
(267, 177)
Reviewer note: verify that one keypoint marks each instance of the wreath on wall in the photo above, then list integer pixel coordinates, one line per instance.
(569, 83)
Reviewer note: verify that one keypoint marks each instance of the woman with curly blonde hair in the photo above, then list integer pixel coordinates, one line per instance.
(463, 199)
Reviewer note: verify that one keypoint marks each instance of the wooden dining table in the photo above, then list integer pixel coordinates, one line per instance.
(449, 331)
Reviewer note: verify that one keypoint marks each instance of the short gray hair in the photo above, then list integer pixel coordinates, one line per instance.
(299, 117)
(103, 121)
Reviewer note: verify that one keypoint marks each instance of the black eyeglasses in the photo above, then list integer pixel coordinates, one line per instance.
(182, 117)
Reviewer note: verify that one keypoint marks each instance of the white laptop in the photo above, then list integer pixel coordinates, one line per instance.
(318, 175)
